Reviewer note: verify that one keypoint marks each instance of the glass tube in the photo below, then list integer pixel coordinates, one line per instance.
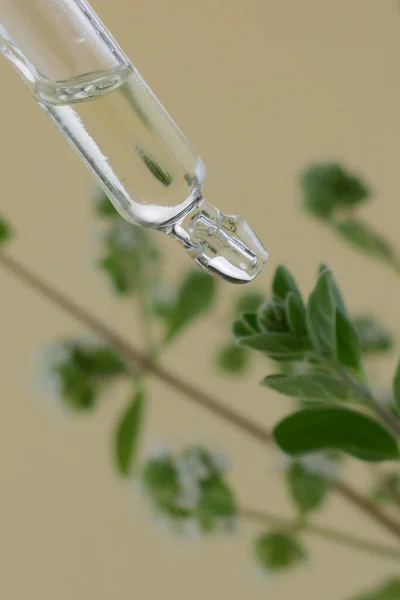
(100, 103)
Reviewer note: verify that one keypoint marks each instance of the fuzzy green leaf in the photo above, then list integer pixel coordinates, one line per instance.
(283, 283)
(321, 317)
(390, 590)
(160, 481)
(246, 325)
(216, 502)
(77, 389)
(82, 371)
(370, 242)
(332, 428)
(373, 336)
(271, 317)
(328, 186)
(307, 489)
(195, 297)
(296, 315)
(348, 344)
(101, 361)
(340, 305)
(311, 386)
(233, 359)
(277, 345)
(278, 551)
(347, 341)
(127, 434)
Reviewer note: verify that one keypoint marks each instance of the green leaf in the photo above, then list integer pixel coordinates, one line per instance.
(271, 317)
(5, 231)
(348, 344)
(233, 359)
(396, 386)
(277, 345)
(283, 283)
(101, 361)
(160, 481)
(311, 386)
(246, 325)
(340, 305)
(127, 434)
(117, 275)
(278, 550)
(347, 341)
(248, 302)
(296, 315)
(373, 336)
(216, 502)
(195, 297)
(360, 235)
(82, 371)
(390, 590)
(332, 428)
(328, 186)
(307, 489)
(321, 316)
(76, 388)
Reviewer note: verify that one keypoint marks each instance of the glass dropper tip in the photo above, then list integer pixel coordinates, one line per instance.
(224, 245)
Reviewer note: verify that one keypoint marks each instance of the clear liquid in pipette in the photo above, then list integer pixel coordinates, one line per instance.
(113, 120)
(150, 172)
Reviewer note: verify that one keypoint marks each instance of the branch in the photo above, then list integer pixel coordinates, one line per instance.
(364, 392)
(327, 533)
(138, 360)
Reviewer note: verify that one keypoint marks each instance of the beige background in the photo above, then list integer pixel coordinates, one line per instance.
(261, 88)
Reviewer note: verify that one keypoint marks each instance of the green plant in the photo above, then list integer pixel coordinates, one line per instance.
(316, 348)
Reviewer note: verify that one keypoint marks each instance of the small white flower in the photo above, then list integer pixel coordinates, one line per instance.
(189, 491)
(320, 464)
(281, 462)
(48, 358)
(159, 450)
(192, 462)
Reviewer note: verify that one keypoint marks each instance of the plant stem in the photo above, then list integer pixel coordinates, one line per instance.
(135, 359)
(389, 487)
(139, 361)
(327, 533)
(368, 507)
(364, 392)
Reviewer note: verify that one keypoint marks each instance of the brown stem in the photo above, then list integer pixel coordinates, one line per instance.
(138, 360)
(368, 507)
(265, 517)
(364, 392)
(393, 493)
(134, 358)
